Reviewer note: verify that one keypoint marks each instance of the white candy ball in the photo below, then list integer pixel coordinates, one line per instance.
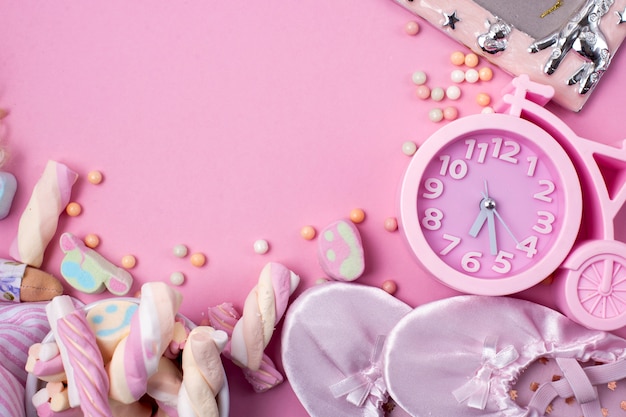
(261, 246)
(453, 92)
(180, 251)
(409, 148)
(435, 115)
(471, 76)
(177, 278)
(437, 94)
(419, 77)
(457, 76)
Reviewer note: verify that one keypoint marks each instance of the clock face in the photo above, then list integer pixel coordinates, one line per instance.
(491, 204)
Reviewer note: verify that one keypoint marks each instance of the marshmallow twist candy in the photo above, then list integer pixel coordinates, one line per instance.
(85, 359)
(224, 317)
(263, 309)
(203, 374)
(39, 221)
(137, 356)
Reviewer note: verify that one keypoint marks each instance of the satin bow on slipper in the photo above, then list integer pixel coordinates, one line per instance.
(332, 344)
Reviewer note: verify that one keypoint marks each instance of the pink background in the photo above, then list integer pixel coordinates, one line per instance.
(220, 123)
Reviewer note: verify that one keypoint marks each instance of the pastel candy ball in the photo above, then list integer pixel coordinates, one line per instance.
(457, 58)
(419, 77)
(357, 215)
(409, 148)
(471, 60)
(308, 232)
(198, 259)
(391, 224)
(485, 74)
(95, 177)
(412, 28)
(261, 246)
(129, 261)
(340, 251)
(177, 278)
(180, 251)
(73, 209)
(92, 240)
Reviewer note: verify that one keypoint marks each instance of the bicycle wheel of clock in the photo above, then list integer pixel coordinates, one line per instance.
(592, 285)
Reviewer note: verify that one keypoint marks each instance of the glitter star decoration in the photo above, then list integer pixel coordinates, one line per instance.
(451, 20)
(622, 17)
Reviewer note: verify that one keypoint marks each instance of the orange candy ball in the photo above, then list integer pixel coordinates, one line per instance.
(483, 99)
(94, 177)
(308, 232)
(485, 74)
(457, 58)
(129, 261)
(471, 60)
(198, 259)
(92, 241)
(73, 209)
(357, 215)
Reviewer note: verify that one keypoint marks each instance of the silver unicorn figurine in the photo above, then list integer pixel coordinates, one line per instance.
(583, 35)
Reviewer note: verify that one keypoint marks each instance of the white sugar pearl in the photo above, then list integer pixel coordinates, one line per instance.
(435, 115)
(180, 251)
(437, 94)
(177, 278)
(453, 92)
(488, 110)
(471, 76)
(457, 76)
(261, 246)
(419, 77)
(409, 148)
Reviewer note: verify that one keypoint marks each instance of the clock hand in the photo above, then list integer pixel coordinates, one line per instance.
(486, 214)
(478, 223)
(505, 226)
(491, 224)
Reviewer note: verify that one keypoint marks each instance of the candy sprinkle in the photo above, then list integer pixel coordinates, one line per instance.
(412, 28)
(357, 215)
(198, 259)
(92, 241)
(308, 232)
(180, 251)
(261, 246)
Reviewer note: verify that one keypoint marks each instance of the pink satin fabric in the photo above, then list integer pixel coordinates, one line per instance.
(461, 356)
(332, 344)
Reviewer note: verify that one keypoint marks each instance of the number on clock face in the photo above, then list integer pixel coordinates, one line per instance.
(489, 204)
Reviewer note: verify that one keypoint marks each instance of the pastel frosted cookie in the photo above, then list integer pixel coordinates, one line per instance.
(110, 322)
(340, 251)
(8, 186)
(88, 271)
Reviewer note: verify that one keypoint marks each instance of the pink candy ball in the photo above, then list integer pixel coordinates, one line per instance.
(390, 286)
(412, 28)
(422, 92)
(450, 113)
(391, 224)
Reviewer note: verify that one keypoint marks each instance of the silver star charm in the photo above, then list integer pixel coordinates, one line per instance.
(622, 17)
(451, 20)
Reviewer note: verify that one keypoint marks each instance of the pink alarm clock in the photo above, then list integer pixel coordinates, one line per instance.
(492, 204)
